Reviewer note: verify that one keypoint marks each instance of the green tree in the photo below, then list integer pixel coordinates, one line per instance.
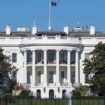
(7, 73)
(95, 68)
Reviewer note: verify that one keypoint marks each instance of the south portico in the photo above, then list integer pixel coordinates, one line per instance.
(56, 75)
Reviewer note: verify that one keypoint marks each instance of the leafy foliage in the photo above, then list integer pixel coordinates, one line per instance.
(81, 90)
(7, 73)
(24, 93)
(95, 68)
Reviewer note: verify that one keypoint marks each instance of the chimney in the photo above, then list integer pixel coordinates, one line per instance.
(66, 30)
(8, 30)
(92, 30)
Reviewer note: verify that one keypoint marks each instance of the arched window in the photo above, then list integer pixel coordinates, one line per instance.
(38, 93)
(51, 94)
(64, 94)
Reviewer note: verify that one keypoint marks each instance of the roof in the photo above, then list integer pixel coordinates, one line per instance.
(53, 33)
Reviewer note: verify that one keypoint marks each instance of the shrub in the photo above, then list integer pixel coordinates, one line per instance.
(24, 93)
(76, 93)
(2, 102)
(81, 90)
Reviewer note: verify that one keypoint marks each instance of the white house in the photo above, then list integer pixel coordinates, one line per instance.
(50, 63)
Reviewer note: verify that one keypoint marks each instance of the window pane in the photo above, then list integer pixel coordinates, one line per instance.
(86, 55)
(51, 56)
(50, 76)
(72, 57)
(14, 57)
(29, 56)
(86, 79)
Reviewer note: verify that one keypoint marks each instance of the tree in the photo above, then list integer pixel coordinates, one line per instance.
(95, 68)
(7, 73)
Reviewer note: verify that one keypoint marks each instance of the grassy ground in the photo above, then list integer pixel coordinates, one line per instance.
(28, 101)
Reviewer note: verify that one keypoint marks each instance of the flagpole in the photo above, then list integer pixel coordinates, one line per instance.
(49, 27)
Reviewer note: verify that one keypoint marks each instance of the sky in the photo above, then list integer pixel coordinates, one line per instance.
(23, 13)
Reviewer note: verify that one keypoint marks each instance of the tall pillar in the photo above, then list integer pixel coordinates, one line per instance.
(68, 68)
(45, 68)
(33, 69)
(57, 68)
(25, 67)
(77, 67)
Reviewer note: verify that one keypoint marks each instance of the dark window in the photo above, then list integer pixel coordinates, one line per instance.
(64, 94)
(72, 57)
(29, 57)
(62, 76)
(72, 76)
(86, 79)
(39, 57)
(29, 75)
(50, 76)
(51, 56)
(38, 94)
(51, 94)
(39, 76)
(87, 56)
(63, 57)
(14, 57)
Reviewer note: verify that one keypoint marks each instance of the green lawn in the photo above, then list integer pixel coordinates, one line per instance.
(28, 101)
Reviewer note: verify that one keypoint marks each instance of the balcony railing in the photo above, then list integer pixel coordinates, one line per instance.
(51, 84)
(51, 62)
(64, 84)
(38, 84)
(39, 62)
(63, 62)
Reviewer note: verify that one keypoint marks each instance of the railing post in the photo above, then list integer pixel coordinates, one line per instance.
(6, 101)
(70, 99)
(31, 99)
(55, 100)
(104, 99)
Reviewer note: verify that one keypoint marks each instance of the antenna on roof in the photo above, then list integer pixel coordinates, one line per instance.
(34, 24)
(78, 24)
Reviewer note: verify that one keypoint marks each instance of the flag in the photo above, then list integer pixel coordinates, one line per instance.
(54, 2)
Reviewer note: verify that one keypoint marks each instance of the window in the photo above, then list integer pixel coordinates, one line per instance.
(29, 76)
(86, 79)
(72, 57)
(14, 57)
(39, 57)
(39, 77)
(62, 76)
(64, 94)
(50, 76)
(87, 56)
(51, 56)
(72, 76)
(29, 56)
(63, 57)
(51, 94)
(38, 94)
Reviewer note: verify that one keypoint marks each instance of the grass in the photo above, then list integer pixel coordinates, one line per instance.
(79, 101)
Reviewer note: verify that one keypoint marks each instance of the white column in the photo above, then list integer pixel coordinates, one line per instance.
(57, 68)
(76, 67)
(68, 68)
(45, 68)
(25, 67)
(33, 68)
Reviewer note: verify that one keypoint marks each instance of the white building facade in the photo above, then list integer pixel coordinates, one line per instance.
(50, 63)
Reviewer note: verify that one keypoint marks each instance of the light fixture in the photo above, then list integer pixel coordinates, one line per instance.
(44, 89)
(58, 89)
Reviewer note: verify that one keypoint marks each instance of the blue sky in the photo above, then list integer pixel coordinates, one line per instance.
(22, 13)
